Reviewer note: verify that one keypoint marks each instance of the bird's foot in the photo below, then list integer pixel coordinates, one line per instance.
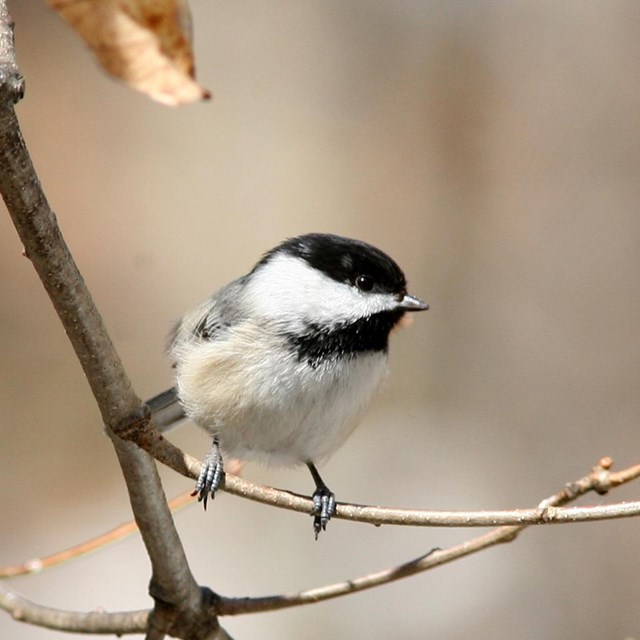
(324, 502)
(211, 475)
(324, 506)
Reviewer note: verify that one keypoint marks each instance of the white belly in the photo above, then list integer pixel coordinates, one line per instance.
(278, 410)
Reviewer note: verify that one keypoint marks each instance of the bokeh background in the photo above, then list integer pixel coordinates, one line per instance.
(492, 148)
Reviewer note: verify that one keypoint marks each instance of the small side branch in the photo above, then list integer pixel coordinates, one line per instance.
(430, 560)
(71, 621)
(98, 622)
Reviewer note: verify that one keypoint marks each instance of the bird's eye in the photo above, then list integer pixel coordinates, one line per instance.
(364, 283)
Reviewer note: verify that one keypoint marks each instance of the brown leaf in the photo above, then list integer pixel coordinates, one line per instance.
(146, 43)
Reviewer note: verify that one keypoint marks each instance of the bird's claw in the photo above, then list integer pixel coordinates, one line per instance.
(211, 476)
(324, 506)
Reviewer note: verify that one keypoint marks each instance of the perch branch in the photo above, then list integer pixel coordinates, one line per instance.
(599, 479)
(430, 560)
(167, 453)
(182, 608)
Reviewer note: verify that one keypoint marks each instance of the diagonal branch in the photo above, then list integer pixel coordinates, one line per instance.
(435, 558)
(179, 600)
(164, 451)
(36, 565)
(182, 608)
(127, 621)
(101, 622)
(600, 480)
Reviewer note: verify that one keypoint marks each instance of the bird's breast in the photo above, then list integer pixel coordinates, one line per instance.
(263, 401)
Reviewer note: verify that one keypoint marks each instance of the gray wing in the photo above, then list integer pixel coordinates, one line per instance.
(212, 320)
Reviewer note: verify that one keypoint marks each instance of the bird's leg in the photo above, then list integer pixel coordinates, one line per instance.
(324, 502)
(211, 474)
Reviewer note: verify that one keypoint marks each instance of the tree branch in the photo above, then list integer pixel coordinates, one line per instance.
(430, 560)
(73, 621)
(181, 607)
(10, 77)
(595, 481)
(437, 518)
(179, 600)
(36, 565)
(600, 480)
(164, 451)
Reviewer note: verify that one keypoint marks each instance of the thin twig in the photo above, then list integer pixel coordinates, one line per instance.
(595, 481)
(435, 558)
(430, 560)
(72, 621)
(603, 481)
(167, 453)
(36, 565)
(182, 608)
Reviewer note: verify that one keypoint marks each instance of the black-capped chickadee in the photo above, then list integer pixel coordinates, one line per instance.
(280, 364)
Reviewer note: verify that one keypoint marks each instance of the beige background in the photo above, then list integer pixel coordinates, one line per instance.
(493, 148)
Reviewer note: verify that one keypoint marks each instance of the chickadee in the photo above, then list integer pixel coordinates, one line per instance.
(280, 364)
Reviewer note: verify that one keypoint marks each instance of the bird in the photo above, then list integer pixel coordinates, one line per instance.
(280, 364)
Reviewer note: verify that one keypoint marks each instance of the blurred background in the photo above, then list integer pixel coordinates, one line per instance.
(493, 149)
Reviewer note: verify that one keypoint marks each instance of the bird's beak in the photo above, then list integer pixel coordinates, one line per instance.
(409, 303)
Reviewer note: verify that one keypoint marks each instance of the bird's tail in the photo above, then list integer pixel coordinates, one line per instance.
(166, 409)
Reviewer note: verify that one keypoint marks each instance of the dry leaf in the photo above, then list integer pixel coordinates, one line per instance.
(146, 43)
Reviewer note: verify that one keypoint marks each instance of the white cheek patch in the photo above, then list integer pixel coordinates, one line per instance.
(288, 290)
